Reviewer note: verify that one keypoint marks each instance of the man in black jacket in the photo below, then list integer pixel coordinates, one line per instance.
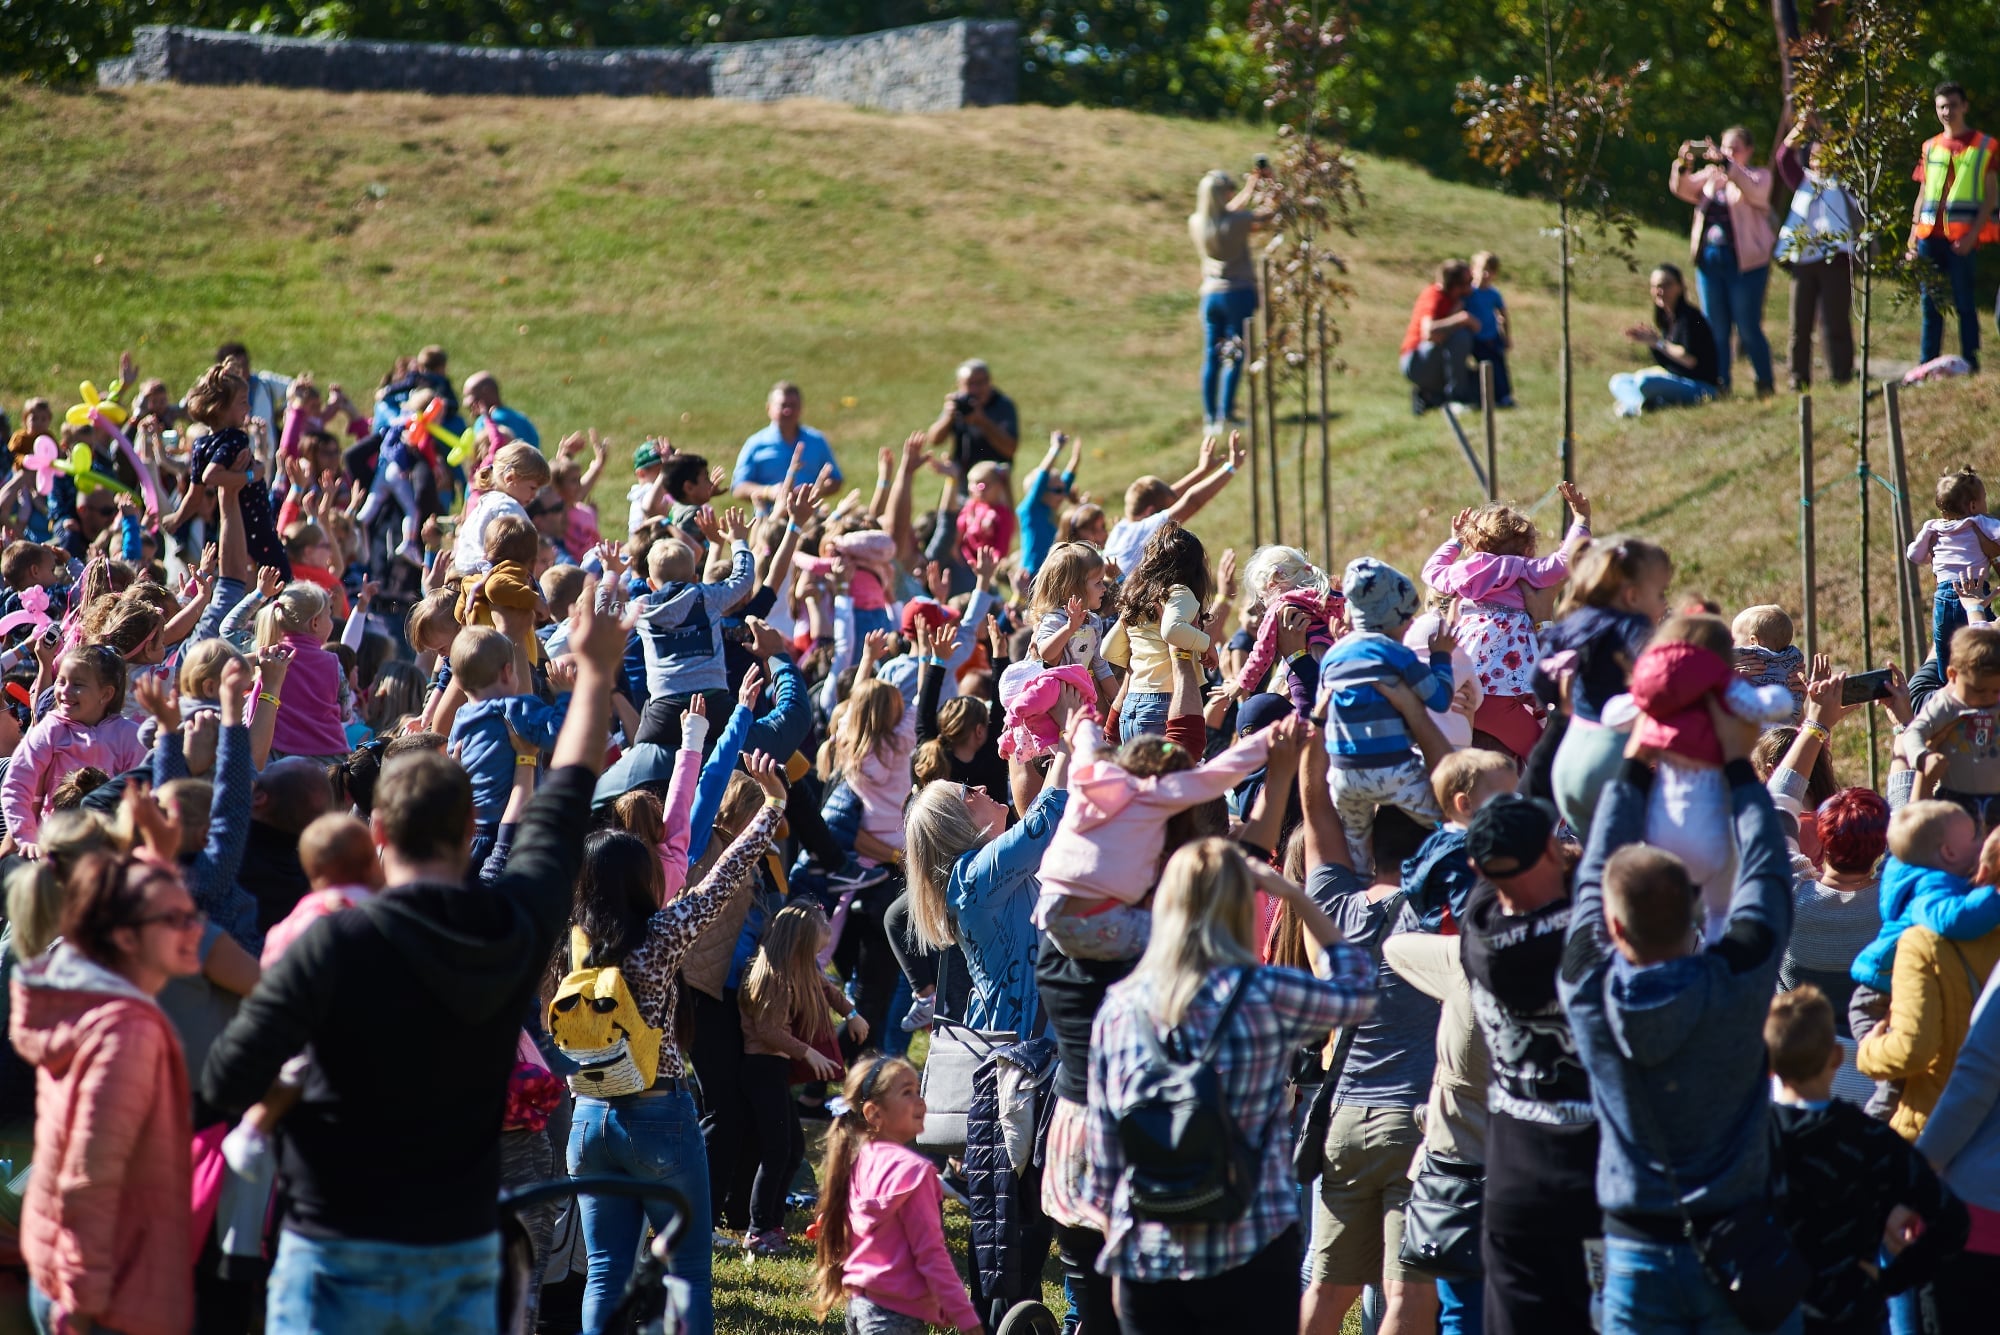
(412, 1006)
(1540, 1206)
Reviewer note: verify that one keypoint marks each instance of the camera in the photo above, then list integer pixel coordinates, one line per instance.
(966, 404)
(1263, 162)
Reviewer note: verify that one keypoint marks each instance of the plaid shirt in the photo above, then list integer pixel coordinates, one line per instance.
(1285, 1010)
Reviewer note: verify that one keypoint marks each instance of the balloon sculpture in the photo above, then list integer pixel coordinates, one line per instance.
(145, 474)
(114, 411)
(34, 610)
(80, 469)
(42, 463)
(458, 448)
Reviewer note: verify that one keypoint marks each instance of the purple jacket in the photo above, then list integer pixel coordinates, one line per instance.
(309, 719)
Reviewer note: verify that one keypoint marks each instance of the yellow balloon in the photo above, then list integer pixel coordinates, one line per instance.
(79, 414)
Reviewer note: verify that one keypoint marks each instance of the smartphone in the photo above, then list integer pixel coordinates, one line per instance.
(1861, 687)
(739, 635)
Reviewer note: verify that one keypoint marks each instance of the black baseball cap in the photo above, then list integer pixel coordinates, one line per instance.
(1510, 834)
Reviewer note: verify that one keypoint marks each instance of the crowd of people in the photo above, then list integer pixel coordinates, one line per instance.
(1742, 225)
(1495, 949)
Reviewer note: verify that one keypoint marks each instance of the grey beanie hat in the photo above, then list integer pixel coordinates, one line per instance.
(1379, 596)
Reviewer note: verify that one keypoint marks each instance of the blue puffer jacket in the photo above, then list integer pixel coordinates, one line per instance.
(1914, 896)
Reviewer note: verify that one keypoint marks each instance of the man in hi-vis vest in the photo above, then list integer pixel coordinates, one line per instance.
(1954, 214)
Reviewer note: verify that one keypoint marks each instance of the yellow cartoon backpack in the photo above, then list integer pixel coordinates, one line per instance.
(596, 1023)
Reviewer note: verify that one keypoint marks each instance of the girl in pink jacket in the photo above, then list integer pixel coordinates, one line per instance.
(1494, 625)
(881, 1210)
(1104, 858)
(86, 727)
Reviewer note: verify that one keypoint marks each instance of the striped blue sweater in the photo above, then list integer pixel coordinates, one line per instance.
(1363, 730)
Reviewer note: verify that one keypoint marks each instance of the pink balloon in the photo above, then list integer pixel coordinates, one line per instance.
(13, 620)
(42, 463)
(146, 484)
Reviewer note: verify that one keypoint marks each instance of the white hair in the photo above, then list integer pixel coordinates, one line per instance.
(1273, 570)
(971, 364)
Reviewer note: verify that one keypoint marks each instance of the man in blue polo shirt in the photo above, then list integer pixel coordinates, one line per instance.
(765, 457)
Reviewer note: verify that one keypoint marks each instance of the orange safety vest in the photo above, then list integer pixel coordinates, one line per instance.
(1953, 186)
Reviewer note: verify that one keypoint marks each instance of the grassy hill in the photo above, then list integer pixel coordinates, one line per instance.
(645, 266)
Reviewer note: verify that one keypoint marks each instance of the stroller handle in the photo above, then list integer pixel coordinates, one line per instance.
(561, 1188)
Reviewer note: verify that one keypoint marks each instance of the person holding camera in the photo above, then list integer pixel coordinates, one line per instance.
(1221, 227)
(1731, 244)
(978, 419)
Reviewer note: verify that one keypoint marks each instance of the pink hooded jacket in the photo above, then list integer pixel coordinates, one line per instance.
(106, 1226)
(1486, 577)
(1114, 829)
(1031, 731)
(52, 750)
(1324, 608)
(898, 1259)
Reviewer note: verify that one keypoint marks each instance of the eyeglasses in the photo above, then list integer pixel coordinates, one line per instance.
(176, 920)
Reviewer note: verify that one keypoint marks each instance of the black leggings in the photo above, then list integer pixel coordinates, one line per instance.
(726, 1123)
(1261, 1294)
(864, 958)
(1078, 1249)
(781, 1141)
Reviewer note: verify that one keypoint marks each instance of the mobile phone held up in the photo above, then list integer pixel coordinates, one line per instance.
(1861, 687)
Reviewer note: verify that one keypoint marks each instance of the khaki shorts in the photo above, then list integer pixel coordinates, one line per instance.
(1358, 1218)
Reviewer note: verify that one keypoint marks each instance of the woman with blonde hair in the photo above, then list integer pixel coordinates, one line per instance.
(1220, 227)
(972, 883)
(1200, 982)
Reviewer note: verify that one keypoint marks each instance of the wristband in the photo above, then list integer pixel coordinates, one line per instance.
(527, 760)
(269, 699)
(1816, 728)
(774, 803)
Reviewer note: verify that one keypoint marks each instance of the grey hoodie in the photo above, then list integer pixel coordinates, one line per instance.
(1676, 1050)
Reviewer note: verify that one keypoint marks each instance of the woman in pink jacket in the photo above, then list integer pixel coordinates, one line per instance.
(106, 1225)
(1731, 244)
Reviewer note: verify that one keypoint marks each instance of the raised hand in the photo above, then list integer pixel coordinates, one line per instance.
(944, 641)
(750, 689)
(157, 697)
(937, 581)
(735, 526)
(158, 828)
(198, 738)
(598, 638)
(1075, 610)
(269, 581)
(1573, 497)
(1206, 459)
(1237, 452)
(768, 773)
(1458, 523)
(706, 521)
(1445, 640)
(1225, 573)
(562, 673)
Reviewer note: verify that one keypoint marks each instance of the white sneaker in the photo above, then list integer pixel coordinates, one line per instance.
(922, 1011)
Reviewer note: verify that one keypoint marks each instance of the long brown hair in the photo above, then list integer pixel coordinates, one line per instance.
(788, 958)
(1173, 555)
(844, 1140)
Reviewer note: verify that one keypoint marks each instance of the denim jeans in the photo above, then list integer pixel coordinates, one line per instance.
(1495, 350)
(42, 1312)
(1461, 1306)
(866, 1318)
(1657, 1288)
(1733, 298)
(1441, 372)
(1222, 316)
(1143, 712)
(655, 1137)
(228, 592)
(1635, 392)
(1947, 615)
(333, 1286)
(1947, 270)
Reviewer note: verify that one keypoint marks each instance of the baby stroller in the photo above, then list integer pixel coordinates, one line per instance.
(653, 1298)
(1006, 1130)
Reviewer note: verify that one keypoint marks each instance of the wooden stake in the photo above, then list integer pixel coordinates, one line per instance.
(1325, 452)
(1256, 416)
(1914, 644)
(1809, 600)
(1490, 413)
(1867, 602)
(1270, 395)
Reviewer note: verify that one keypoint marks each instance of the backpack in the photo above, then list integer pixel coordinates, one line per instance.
(596, 1023)
(1186, 1160)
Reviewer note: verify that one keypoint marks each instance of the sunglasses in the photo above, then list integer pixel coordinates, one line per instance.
(175, 920)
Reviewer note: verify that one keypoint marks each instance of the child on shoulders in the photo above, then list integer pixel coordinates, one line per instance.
(1959, 544)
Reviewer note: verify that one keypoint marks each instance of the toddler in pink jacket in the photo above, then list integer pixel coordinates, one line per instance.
(1104, 858)
(1279, 578)
(86, 727)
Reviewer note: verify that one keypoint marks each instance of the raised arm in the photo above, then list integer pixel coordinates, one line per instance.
(1201, 493)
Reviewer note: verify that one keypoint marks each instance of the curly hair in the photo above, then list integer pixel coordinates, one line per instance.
(1173, 555)
(1500, 530)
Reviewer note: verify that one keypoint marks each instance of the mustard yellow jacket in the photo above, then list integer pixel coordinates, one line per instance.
(1935, 984)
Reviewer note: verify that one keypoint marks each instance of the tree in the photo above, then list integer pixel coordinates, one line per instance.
(1860, 87)
(1312, 193)
(1555, 129)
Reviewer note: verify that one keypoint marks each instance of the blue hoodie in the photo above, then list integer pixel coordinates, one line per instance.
(479, 740)
(1914, 896)
(1675, 1050)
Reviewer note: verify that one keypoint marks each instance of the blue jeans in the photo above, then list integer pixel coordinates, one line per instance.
(1635, 392)
(655, 1137)
(1461, 1306)
(1732, 298)
(1657, 1288)
(228, 592)
(332, 1286)
(1947, 615)
(1495, 350)
(1143, 712)
(1947, 269)
(1223, 315)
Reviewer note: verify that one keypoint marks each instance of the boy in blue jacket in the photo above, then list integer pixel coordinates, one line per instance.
(482, 662)
(1375, 762)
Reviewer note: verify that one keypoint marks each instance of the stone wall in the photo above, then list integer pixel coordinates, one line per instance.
(933, 67)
